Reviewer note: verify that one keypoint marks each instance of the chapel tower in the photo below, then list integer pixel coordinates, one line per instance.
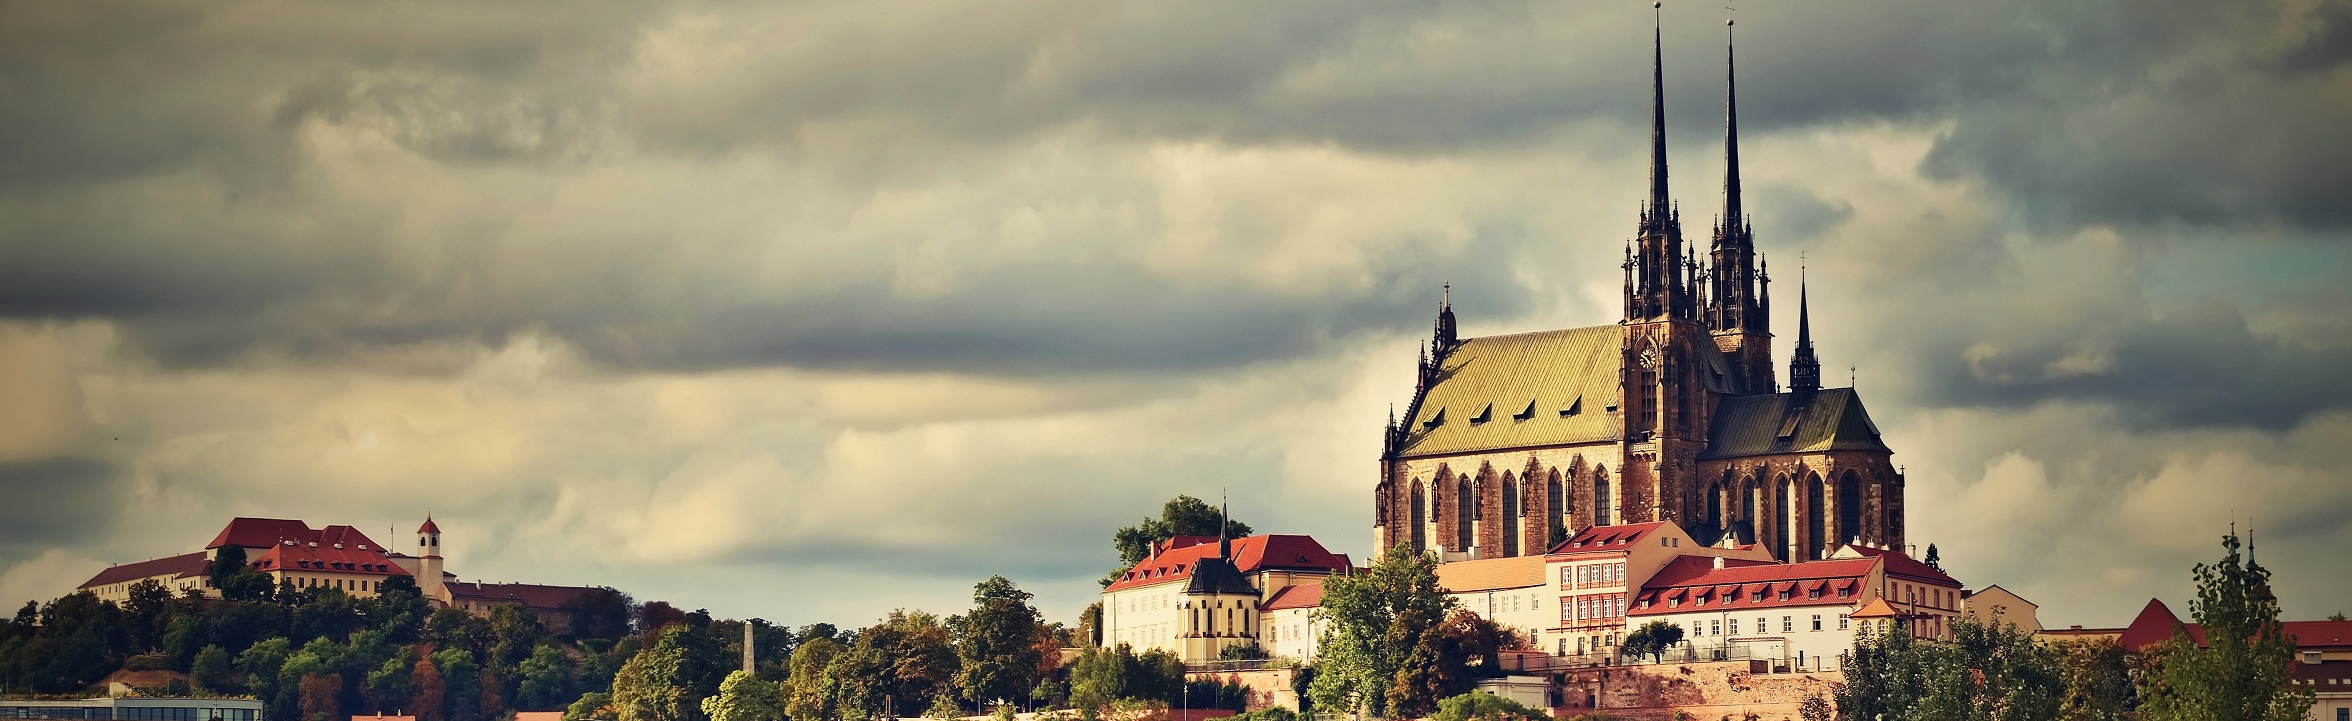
(428, 576)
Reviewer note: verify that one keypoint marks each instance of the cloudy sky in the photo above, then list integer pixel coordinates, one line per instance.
(811, 310)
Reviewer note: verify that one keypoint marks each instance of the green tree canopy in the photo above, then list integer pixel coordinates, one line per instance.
(997, 643)
(1483, 706)
(1372, 624)
(1651, 639)
(2244, 669)
(744, 697)
(1988, 671)
(1180, 516)
(810, 691)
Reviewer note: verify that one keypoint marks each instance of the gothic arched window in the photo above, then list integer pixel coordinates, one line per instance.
(1420, 520)
(1600, 496)
(1465, 510)
(1510, 516)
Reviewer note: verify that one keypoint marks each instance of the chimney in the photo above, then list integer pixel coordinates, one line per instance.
(1719, 563)
(1911, 550)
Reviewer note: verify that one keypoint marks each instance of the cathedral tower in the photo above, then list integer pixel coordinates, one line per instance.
(1738, 312)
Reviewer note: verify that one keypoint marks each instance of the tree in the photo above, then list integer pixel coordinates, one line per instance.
(669, 681)
(1484, 706)
(389, 686)
(1652, 640)
(321, 697)
(514, 632)
(997, 643)
(428, 699)
(1180, 516)
(1989, 670)
(1363, 643)
(2097, 679)
(226, 562)
(211, 670)
(597, 613)
(461, 683)
(1815, 708)
(1934, 559)
(898, 665)
(744, 697)
(809, 694)
(546, 679)
(261, 663)
(2244, 668)
(592, 706)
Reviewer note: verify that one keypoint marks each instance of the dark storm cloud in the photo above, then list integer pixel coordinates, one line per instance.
(2197, 367)
(57, 500)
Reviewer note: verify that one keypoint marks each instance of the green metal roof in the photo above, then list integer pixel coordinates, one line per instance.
(1830, 419)
(1516, 391)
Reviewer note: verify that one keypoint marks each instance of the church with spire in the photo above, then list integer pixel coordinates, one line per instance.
(1512, 443)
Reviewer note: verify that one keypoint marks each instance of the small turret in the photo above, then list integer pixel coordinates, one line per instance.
(1804, 369)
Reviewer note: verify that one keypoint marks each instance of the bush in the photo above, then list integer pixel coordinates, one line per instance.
(1485, 706)
(1271, 713)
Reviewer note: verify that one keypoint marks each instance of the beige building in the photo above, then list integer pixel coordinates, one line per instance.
(1507, 591)
(1196, 596)
(1994, 602)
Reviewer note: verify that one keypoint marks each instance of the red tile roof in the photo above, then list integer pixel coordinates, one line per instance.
(181, 566)
(429, 526)
(1902, 565)
(1297, 595)
(1693, 577)
(326, 558)
(531, 595)
(2154, 626)
(1250, 555)
(1606, 538)
(261, 533)
(269, 532)
(2155, 623)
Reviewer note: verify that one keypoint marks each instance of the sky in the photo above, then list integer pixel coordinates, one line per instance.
(808, 311)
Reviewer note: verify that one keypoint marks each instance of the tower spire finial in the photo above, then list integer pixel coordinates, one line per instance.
(1224, 522)
(1732, 214)
(1659, 208)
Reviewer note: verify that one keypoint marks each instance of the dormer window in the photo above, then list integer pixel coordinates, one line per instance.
(1485, 413)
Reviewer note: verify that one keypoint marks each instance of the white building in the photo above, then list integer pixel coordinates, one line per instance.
(1291, 629)
(1197, 595)
(1802, 616)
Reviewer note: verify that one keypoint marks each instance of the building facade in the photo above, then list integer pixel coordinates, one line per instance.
(1674, 413)
(1596, 570)
(1196, 596)
(1801, 615)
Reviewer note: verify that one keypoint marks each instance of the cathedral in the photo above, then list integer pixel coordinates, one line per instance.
(1512, 443)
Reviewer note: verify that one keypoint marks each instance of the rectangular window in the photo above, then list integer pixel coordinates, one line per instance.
(1567, 612)
(1843, 620)
(1816, 622)
(1788, 624)
(1583, 608)
(1714, 628)
(1735, 627)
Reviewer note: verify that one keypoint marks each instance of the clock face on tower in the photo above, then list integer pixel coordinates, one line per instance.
(1649, 357)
